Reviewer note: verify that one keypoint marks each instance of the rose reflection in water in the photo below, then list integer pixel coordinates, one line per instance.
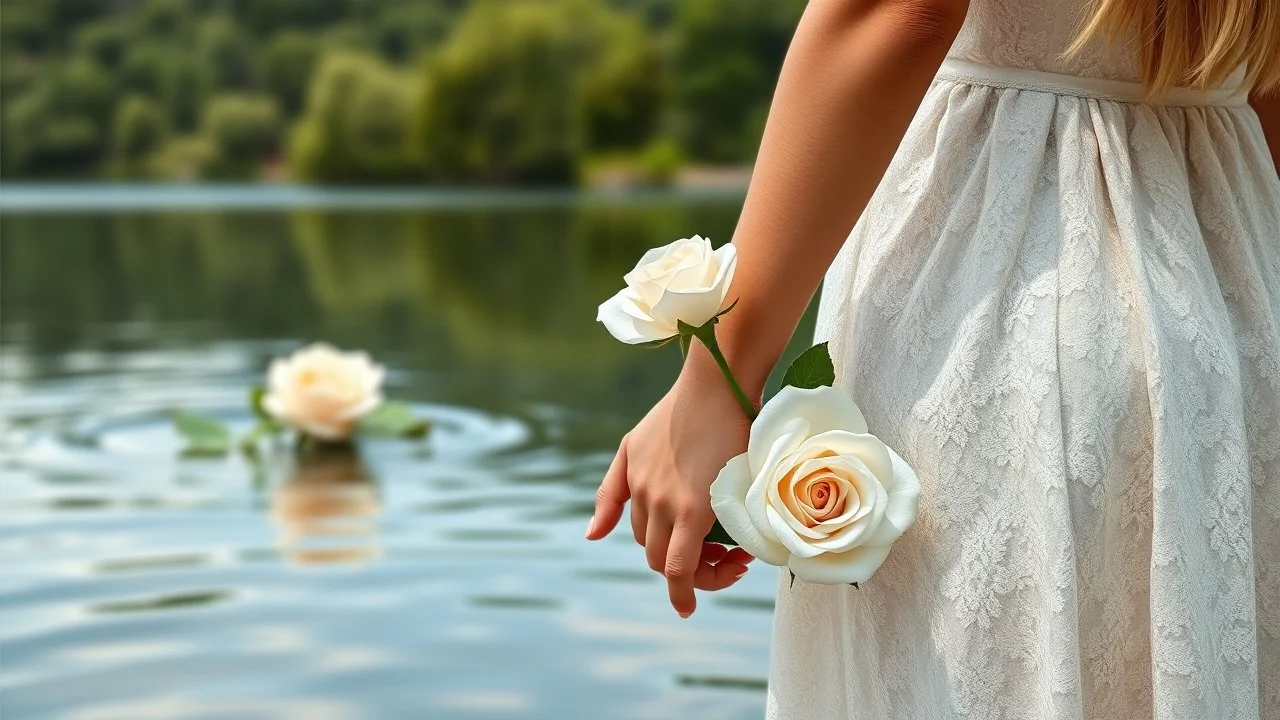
(327, 509)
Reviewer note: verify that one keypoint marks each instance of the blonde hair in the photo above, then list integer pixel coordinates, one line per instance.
(1194, 43)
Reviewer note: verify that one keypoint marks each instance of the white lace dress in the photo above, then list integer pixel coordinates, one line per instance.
(1063, 307)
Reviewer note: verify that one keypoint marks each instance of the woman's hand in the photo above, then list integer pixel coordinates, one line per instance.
(665, 466)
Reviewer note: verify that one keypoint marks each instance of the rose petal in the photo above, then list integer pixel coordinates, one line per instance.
(357, 412)
(690, 279)
(726, 261)
(783, 473)
(868, 448)
(859, 531)
(373, 379)
(652, 256)
(323, 430)
(822, 409)
(766, 430)
(903, 502)
(728, 499)
(625, 326)
(788, 537)
(693, 307)
(275, 407)
(862, 483)
(856, 565)
(790, 434)
(279, 375)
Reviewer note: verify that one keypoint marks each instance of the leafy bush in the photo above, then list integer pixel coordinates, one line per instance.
(244, 129)
(190, 157)
(139, 129)
(355, 128)
(522, 89)
(287, 65)
(660, 161)
(727, 57)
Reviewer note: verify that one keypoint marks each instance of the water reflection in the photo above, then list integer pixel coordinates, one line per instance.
(456, 583)
(326, 511)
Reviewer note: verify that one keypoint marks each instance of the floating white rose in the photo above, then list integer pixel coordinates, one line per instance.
(815, 492)
(685, 281)
(322, 391)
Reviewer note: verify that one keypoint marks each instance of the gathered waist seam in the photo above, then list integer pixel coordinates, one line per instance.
(966, 72)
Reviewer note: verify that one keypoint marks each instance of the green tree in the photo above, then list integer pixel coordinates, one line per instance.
(58, 125)
(727, 57)
(83, 89)
(170, 75)
(266, 17)
(287, 65)
(227, 53)
(139, 130)
(165, 18)
(245, 129)
(521, 89)
(26, 28)
(106, 41)
(405, 29)
(501, 101)
(189, 157)
(356, 124)
(625, 86)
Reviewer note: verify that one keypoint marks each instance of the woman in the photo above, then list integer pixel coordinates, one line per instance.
(1061, 303)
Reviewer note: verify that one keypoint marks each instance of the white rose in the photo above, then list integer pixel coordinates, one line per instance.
(323, 392)
(814, 491)
(684, 281)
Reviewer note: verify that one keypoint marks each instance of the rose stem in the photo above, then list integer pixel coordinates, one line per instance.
(707, 334)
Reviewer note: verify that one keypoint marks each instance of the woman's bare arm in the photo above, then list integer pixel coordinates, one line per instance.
(1268, 109)
(851, 83)
(852, 80)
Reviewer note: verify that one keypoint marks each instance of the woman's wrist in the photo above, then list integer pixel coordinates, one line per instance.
(701, 370)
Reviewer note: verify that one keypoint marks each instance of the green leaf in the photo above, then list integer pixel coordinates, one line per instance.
(205, 436)
(394, 419)
(793, 578)
(725, 311)
(684, 345)
(813, 368)
(264, 429)
(855, 585)
(718, 534)
(256, 396)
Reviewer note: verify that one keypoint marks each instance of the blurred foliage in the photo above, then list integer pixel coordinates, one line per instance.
(287, 64)
(139, 130)
(726, 60)
(449, 91)
(356, 125)
(243, 128)
(506, 293)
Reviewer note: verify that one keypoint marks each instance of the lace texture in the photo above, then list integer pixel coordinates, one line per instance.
(1064, 312)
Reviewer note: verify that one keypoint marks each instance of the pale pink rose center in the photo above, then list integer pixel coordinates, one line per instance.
(816, 498)
(327, 392)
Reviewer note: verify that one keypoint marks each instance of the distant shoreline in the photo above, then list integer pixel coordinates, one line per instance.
(109, 196)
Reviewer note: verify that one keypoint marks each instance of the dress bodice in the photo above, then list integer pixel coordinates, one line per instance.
(1035, 34)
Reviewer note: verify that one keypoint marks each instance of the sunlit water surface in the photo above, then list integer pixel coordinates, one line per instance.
(446, 578)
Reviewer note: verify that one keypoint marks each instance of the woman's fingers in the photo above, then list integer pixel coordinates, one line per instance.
(657, 537)
(612, 496)
(739, 556)
(639, 522)
(720, 576)
(713, 553)
(683, 564)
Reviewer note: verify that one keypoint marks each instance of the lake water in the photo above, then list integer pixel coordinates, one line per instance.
(446, 578)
